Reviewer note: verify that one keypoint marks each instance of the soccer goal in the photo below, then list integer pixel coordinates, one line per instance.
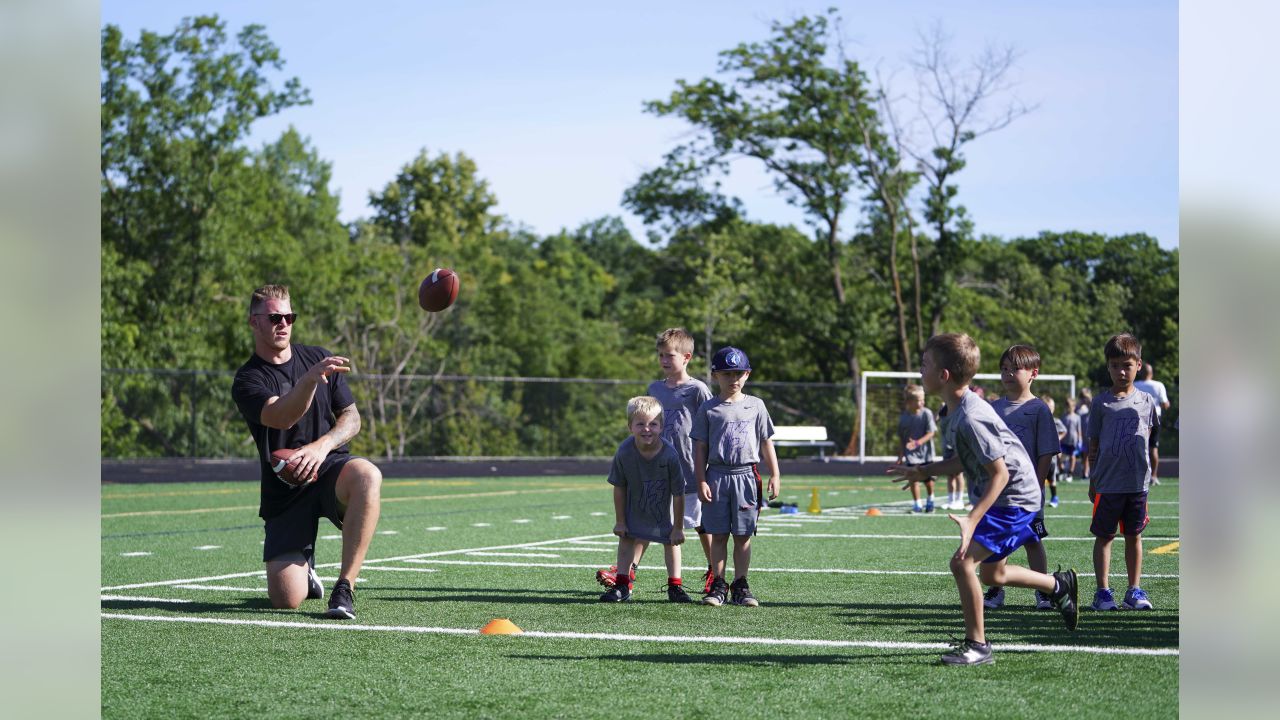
(882, 403)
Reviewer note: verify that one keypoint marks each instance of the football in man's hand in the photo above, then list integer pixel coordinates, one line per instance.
(283, 470)
(438, 290)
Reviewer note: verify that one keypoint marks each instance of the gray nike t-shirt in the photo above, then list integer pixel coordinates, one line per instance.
(732, 431)
(650, 485)
(979, 437)
(912, 426)
(1120, 427)
(679, 404)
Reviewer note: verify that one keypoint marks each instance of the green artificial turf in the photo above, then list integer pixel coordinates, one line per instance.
(199, 533)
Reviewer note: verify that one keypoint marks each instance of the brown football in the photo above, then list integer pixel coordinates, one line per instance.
(438, 290)
(280, 466)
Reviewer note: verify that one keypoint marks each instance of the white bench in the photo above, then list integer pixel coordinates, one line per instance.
(812, 436)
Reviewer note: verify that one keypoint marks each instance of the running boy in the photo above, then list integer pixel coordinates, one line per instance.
(1123, 424)
(1005, 492)
(681, 396)
(730, 436)
(648, 491)
(1032, 421)
(915, 436)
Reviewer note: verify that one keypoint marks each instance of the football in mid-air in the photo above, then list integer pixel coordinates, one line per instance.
(280, 466)
(438, 290)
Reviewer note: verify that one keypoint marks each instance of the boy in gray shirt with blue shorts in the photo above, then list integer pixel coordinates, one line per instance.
(730, 436)
(1006, 495)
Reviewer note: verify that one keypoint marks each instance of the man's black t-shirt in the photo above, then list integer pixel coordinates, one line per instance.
(256, 382)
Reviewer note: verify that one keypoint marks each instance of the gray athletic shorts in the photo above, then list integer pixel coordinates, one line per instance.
(735, 500)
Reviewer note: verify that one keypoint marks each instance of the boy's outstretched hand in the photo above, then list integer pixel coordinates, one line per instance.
(966, 533)
(907, 473)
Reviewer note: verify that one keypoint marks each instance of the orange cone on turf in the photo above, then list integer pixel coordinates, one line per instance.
(873, 512)
(500, 626)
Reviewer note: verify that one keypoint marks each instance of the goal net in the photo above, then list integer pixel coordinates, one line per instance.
(882, 393)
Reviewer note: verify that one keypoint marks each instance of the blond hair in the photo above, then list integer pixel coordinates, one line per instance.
(956, 353)
(913, 391)
(646, 405)
(1047, 399)
(677, 339)
(265, 293)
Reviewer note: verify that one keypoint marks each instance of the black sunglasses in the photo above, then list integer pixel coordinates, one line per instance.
(275, 318)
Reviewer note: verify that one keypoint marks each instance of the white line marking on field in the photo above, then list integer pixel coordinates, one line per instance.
(794, 642)
(396, 569)
(521, 521)
(803, 571)
(595, 542)
(579, 549)
(135, 554)
(481, 524)
(137, 598)
(561, 517)
(436, 528)
(207, 547)
(598, 514)
(330, 537)
(513, 554)
(388, 532)
(226, 588)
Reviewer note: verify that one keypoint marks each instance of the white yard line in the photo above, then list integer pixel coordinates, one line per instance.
(810, 571)
(513, 554)
(131, 598)
(686, 640)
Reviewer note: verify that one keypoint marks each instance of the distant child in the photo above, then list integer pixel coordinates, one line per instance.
(1082, 410)
(956, 496)
(1032, 421)
(915, 441)
(1072, 440)
(1061, 430)
(648, 491)
(730, 436)
(1123, 424)
(1005, 490)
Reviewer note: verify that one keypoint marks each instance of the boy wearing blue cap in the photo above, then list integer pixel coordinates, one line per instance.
(731, 435)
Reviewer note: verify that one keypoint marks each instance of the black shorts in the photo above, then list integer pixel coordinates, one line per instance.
(1128, 511)
(295, 528)
(1038, 525)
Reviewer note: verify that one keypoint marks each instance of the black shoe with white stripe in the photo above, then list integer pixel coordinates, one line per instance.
(342, 605)
(969, 653)
(315, 589)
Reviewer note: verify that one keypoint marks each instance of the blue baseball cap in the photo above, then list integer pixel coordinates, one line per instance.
(729, 358)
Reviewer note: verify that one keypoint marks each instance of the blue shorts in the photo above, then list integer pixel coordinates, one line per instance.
(1003, 530)
(1069, 450)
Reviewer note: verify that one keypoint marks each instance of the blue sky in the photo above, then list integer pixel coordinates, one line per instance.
(547, 98)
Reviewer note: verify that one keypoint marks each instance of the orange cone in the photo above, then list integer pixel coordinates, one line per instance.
(500, 626)
(873, 512)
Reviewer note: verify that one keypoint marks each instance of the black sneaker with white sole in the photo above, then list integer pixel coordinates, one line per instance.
(1066, 598)
(718, 593)
(676, 594)
(618, 593)
(342, 604)
(740, 594)
(969, 653)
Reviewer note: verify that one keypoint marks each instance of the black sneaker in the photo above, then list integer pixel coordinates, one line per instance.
(618, 593)
(718, 593)
(741, 594)
(969, 653)
(315, 590)
(676, 594)
(1066, 598)
(342, 605)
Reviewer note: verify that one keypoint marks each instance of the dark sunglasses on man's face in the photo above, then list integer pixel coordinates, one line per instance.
(275, 318)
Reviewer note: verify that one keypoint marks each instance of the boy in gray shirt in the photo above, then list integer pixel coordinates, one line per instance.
(648, 491)
(915, 439)
(1004, 489)
(1124, 423)
(1070, 445)
(731, 434)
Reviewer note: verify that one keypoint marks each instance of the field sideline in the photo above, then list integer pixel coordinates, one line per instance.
(855, 611)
